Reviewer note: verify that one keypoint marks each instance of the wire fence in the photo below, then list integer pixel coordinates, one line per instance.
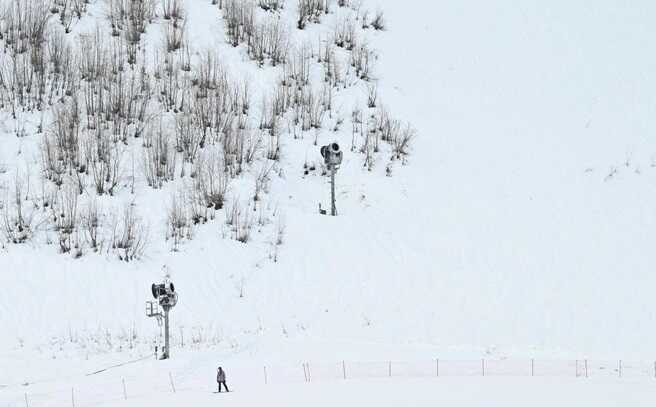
(100, 390)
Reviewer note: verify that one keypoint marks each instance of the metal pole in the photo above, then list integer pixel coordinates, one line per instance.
(333, 209)
(166, 334)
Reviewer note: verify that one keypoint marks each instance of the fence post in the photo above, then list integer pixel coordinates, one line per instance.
(125, 391)
(577, 368)
(620, 371)
(309, 376)
(532, 367)
(265, 376)
(344, 368)
(483, 366)
(586, 367)
(171, 379)
(390, 368)
(73, 396)
(437, 367)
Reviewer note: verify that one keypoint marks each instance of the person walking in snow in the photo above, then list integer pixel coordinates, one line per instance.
(221, 379)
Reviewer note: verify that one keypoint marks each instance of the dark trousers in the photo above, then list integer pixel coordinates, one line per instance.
(224, 385)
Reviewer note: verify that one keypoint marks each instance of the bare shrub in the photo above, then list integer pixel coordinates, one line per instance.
(129, 234)
(178, 220)
(172, 9)
(66, 221)
(174, 34)
(344, 34)
(188, 136)
(240, 146)
(104, 158)
(270, 39)
(378, 22)
(262, 181)
(297, 68)
(372, 95)
(18, 220)
(239, 16)
(211, 181)
(271, 5)
(240, 221)
(130, 17)
(310, 11)
(91, 223)
(401, 140)
(158, 158)
(362, 60)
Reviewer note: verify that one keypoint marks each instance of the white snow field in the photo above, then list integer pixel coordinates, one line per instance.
(520, 225)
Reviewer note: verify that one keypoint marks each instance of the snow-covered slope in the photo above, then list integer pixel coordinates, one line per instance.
(523, 220)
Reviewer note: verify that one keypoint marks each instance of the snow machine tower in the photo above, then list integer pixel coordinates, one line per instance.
(166, 298)
(332, 157)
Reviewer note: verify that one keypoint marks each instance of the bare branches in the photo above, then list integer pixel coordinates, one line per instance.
(310, 11)
(271, 5)
(66, 221)
(18, 218)
(211, 181)
(158, 158)
(129, 234)
(178, 220)
(240, 20)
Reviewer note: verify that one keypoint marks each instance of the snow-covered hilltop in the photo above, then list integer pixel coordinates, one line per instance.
(497, 191)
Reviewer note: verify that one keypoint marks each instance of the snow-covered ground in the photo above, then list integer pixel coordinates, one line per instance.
(408, 392)
(522, 225)
(188, 379)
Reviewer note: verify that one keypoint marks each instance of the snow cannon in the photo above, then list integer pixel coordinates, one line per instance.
(165, 294)
(166, 298)
(332, 155)
(159, 290)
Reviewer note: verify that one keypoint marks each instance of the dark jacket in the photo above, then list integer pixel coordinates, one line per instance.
(220, 376)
